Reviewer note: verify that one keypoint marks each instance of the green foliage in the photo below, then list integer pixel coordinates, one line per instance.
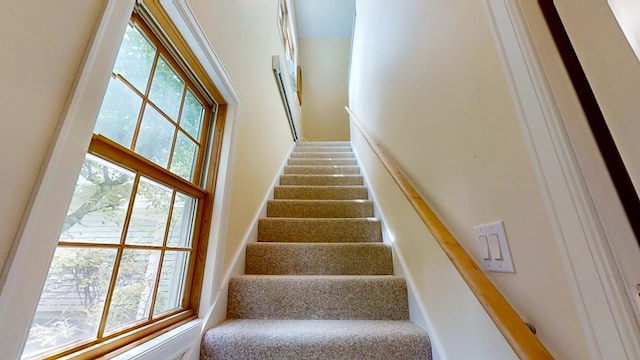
(133, 293)
(100, 188)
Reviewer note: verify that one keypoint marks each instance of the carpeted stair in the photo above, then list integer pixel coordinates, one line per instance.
(319, 282)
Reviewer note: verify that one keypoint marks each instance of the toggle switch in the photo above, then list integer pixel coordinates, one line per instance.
(484, 248)
(494, 247)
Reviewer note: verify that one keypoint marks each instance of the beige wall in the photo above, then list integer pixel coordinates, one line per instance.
(430, 88)
(245, 35)
(325, 63)
(42, 46)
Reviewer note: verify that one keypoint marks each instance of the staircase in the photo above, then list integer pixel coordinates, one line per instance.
(319, 282)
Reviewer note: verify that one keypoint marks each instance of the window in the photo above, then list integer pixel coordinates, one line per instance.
(126, 259)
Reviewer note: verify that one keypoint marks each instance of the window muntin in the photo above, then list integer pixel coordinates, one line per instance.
(127, 249)
(152, 108)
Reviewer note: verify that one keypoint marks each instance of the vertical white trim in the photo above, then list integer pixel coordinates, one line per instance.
(37, 237)
(597, 285)
(187, 24)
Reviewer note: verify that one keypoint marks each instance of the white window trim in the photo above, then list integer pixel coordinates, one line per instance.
(597, 285)
(37, 237)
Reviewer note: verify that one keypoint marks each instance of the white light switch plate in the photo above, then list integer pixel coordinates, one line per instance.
(500, 258)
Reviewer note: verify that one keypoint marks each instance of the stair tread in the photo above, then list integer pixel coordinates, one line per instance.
(319, 278)
(319, 148)
(316, 192)
(314, 162)
(319, 259)
(324, 166)
(324, 143)
(320, 230)
(367, 297)
(322, 175)
(322, 155)
(321, 180)
(316, 339)
(323, 201)
(322, 169)
(294, 208)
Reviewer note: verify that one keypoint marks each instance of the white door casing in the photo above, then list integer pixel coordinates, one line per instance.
(597, 285)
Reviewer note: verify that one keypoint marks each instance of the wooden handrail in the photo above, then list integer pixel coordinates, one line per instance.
(523, 342)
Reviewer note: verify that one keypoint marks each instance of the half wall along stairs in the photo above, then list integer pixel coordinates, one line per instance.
(319, 282)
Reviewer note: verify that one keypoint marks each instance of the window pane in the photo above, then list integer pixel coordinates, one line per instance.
(72, 300)
(118, 115)
(135, 58)
(166, 89)
(184, 157)
(182, 221)
(150, 214)
(132, 295)
(99, 203)
(172, 281)
(192, 115)
(155, 137)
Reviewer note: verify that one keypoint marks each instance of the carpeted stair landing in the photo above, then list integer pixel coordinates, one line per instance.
(319, 282)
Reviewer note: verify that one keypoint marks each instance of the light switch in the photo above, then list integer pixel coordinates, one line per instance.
(494, 247)
(484, 248)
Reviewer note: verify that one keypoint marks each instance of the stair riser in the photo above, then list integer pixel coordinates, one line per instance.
(318, 259)
(322, 149)
(310, 297)
(329, 180)
(320, 192)
(319, 170)
(319, 209)
(322, 155)
(319, 230)
(322, 162)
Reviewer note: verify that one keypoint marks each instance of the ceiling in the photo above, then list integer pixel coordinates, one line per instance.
(324, 18)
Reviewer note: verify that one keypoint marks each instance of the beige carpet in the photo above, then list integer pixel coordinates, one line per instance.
(319, 282)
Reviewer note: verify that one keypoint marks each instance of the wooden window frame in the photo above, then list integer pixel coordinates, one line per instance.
(202, 187)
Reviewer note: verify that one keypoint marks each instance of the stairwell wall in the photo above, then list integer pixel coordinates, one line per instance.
(43, 44)
(245, 35)
(429, 88)
(325, 62)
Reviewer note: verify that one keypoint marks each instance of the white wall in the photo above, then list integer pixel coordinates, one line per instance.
(614, 79)
(245, 35)
(42, 46)
(429, 87)
(439, 300)
(325, 64)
